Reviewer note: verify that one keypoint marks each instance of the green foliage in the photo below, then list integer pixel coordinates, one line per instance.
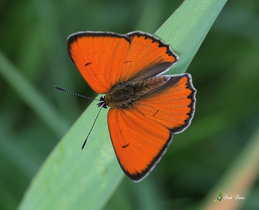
(211, 155)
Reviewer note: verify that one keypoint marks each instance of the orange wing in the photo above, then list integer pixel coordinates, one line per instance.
(138, 141)
(148, 56)
(141, 135)
(174, 106)
(106, 58)
(99, 57)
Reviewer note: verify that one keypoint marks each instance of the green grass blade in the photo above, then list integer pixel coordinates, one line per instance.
(187, 28)
(17, 157)
(75, 179)
(72, 178)
(32, 97)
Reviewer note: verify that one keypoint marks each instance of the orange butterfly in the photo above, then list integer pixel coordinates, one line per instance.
(146, 110)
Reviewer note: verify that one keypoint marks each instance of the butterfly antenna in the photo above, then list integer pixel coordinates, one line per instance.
(67, 91)
(91, 128)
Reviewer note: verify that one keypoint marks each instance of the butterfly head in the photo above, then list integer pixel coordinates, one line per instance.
(102, 103)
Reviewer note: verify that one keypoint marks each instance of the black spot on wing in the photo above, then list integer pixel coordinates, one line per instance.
(88, 63)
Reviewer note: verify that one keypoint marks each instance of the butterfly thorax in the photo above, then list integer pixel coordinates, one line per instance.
(124, 94)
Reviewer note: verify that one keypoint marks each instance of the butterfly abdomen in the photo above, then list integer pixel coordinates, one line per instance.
(124, 95)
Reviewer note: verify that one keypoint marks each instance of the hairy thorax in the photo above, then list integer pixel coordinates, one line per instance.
(124, 94)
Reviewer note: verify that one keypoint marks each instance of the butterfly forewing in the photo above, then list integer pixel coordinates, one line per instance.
(99, 57)
(105, 58)
(147, 57)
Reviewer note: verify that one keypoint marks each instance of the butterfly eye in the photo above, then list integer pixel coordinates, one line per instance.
(102, 103)
(102, 98)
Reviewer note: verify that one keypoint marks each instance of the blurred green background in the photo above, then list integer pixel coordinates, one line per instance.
(225, 72)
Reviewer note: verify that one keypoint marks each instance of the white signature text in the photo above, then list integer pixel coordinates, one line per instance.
(236, 196)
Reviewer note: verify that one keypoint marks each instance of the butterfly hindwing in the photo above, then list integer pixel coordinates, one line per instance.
(172, 104)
